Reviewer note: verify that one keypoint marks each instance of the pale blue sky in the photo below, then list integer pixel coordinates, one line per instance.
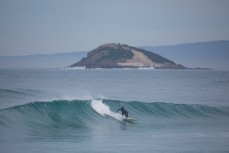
(51, 26)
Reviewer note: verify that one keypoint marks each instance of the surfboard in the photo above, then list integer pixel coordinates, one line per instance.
(130, 120)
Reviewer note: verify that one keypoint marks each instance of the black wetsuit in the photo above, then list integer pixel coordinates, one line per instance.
(124, 112)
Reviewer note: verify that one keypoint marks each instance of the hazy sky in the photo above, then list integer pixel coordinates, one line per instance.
(50, 26)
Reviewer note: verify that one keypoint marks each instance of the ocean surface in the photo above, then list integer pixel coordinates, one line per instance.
(71, 111)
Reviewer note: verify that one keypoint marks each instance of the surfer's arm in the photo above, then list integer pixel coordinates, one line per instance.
(118, 110)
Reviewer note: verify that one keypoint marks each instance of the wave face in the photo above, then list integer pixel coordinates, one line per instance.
(86, 120)
(82, 113)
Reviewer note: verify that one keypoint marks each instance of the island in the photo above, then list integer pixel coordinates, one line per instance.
(123, 56)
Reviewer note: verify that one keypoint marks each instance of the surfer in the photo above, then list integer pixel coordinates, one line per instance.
(124, 112)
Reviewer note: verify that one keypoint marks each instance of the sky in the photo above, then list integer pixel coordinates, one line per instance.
(53, 26)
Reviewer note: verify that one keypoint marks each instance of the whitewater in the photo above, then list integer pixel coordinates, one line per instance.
(63, 110)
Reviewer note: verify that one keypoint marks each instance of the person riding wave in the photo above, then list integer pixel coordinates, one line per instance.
(124, 112)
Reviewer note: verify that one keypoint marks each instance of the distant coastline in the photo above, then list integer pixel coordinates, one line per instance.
(211, 55)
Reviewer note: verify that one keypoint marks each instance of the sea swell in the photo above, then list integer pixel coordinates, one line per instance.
(19, 91)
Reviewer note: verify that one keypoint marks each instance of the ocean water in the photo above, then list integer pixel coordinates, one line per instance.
(71, 111)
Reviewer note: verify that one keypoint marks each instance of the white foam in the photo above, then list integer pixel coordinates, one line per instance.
(75, 68)
(103, 109)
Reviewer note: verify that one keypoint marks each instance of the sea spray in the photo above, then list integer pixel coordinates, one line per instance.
(103, 109)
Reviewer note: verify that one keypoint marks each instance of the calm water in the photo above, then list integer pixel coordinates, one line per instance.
(59, 110)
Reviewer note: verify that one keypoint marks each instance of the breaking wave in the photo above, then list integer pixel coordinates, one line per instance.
(80, 113)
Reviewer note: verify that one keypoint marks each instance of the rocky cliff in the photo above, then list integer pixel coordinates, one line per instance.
(124, 56)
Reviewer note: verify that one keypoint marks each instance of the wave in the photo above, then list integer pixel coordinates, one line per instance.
(19, 91)
(78, 112)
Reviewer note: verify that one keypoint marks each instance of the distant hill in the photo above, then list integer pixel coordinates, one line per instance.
(58, 60)
(123, 56)
(213, 54)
